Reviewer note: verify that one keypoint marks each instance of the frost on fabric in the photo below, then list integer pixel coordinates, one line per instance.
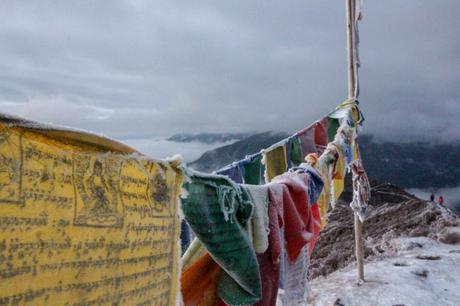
(71, 133)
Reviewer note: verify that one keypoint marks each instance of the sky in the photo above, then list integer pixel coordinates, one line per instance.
(143, 69)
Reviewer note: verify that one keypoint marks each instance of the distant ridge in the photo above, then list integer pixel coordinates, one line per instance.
(209, 138)
(217, 158)
(408, 165)
(420, 165)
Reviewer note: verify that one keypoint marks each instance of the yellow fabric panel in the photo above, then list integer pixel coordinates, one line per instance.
(67, 135)
(355, 114)
(195, 251)
(324, 198)
(339, 174)
(275, 162)
(323, 205)
(81, 225)
(355, 152)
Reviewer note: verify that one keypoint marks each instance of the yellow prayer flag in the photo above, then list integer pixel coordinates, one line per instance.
(275, 162)
(339, 174)
(83, 221)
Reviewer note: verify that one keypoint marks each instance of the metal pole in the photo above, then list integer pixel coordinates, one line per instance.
(352, 66)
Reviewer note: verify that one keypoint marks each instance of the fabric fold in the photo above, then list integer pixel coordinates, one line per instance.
(194, 252)
(316, 221)
(199, 282)
(275, 162)
(298, 225)
(253, 170)
(296, 279)
(234, 172)
(339, 173)
(333, 125)
(269, 261)
(258, 226)
(307, 140)
(321, 135)
(294, 152)
(217, 210)
(325, 195)
(315, 188)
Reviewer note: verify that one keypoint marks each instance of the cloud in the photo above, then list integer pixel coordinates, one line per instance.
(140, 69)
(163, 148)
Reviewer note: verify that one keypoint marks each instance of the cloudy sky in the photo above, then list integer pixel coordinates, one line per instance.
(139, 69)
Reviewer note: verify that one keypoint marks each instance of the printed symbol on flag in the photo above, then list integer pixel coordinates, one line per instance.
(159, 192)
(97, 195)
(10, 168)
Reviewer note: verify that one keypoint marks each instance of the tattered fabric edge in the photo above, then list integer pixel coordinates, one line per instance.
(64, 133)
(177, 255)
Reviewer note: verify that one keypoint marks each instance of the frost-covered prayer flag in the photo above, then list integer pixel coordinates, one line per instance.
(218, 210)
(83, 221)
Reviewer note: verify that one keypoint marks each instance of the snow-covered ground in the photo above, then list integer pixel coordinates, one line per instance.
(419, 271)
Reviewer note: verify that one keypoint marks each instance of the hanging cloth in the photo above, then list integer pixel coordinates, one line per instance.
(339, 173)
(355, 152)
(234, 172)
(306, 138)
(294, 152)
(333, 125)
(258, 227)
(361, 189)
(348, 110)
(321, 135)
(185, 236)
(269, 261)
(315, 187)
(324, 197)
(217, 210)
(275, 162)
(253, 170)
(316, 220)
(315, 182)
(195, 251)
(298, 226)
(199, 282)
(296, 279)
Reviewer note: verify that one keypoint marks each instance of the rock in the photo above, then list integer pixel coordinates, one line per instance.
(449, 237)
(429, 216)
(428, 257)
(400, 264)
(414, 245)
(419, 232)
(421, 273)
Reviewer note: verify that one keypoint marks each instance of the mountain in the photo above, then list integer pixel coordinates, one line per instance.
(209, 138)
(408, 165)
(412, 165)
(217, 158)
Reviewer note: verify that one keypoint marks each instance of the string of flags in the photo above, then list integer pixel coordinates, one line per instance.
(256, 220)
(72, 202)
